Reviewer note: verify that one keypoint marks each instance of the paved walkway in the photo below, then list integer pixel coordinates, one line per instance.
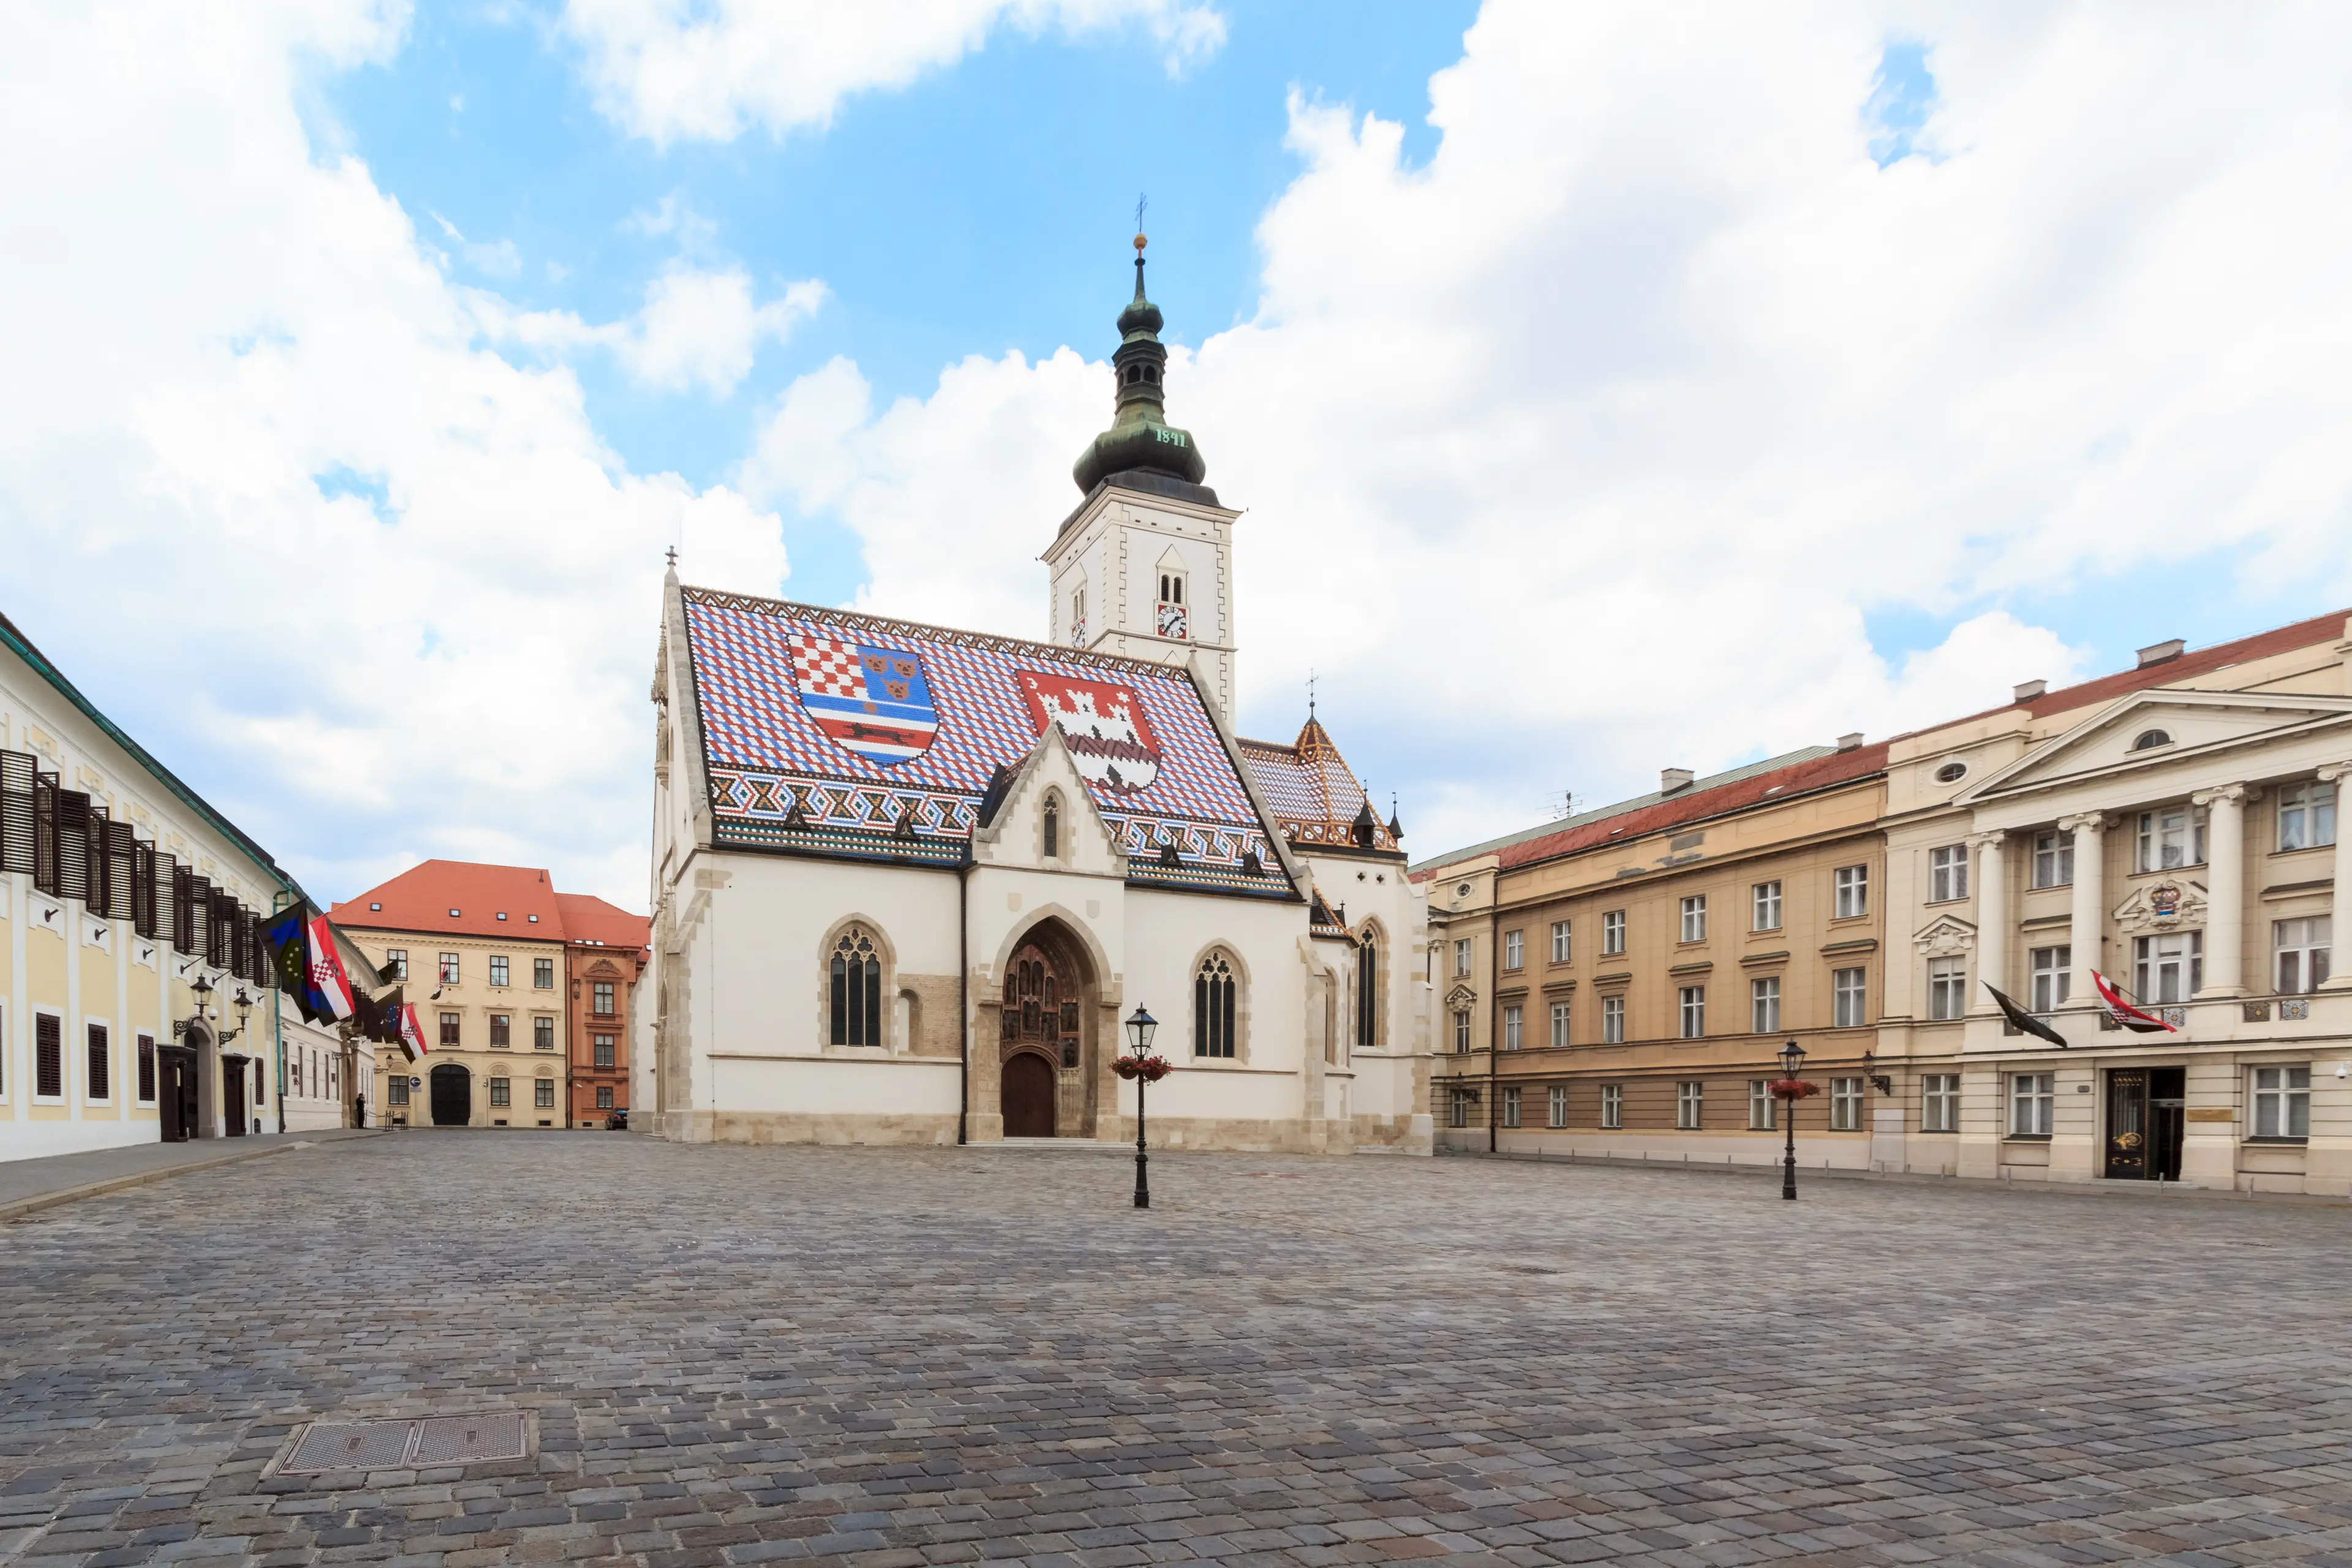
(897, 1358)
(29, 1185)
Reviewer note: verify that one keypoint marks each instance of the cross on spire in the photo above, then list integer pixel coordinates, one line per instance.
(1310, 692)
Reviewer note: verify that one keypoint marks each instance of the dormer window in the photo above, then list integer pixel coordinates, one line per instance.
(2148, 739)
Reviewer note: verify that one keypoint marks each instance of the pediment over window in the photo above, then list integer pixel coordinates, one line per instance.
(1946, 936)
(2176, 903)
(603, 966)
(1461, 998)
(2150, 728)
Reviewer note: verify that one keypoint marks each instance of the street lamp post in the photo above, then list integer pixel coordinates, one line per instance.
(1793, 1057)
(1139, 1030)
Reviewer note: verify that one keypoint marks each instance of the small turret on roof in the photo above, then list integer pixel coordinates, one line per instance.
(1318, 801)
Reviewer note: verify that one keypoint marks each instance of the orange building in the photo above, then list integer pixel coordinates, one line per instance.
(605, 949)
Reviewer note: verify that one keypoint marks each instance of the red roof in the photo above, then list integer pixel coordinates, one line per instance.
(1776, 785)
(587, 918)
(490, 900)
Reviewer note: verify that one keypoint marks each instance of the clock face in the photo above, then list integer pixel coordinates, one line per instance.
(1172, 621)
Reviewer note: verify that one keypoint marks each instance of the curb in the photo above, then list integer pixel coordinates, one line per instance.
(24, 1206)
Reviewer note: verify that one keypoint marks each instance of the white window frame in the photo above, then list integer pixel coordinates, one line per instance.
(1845, 1105)
(1764, 1004)
(1765, 905)
(1513, 1022)
(1514, 950)
(2053, 859)
(1557, 1107)
(1463, 952)
(2162, 978)
(2306, 816)
(1939, 1102)
(1613, 1020)
(33, 1061)
(2281, 1101)
(1560, 946)
(112, 1063)
(1511, 1107)
(1690, 1104)
(1690, 1011)
(1694, 926)
(1612, 1106)
(501, 969)
(1853, 892)
(2301, 954)
(1462, 1031)
(1560, 1026)
(2167, 833)
(2052, 977)
(1948, 873)
(2032, 1104)
(1948, 989)
(1849, 997)
(452, 968)
(1613, 932)
(1762, 1109)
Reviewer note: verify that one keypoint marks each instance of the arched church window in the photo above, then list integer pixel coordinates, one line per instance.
(1053, 830)
(856, 990)
(1367, 991)
(1212, 1007)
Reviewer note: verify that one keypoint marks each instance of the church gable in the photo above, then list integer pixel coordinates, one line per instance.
(2152, 727)
(1315, 798)
(849, 734)
(1040, 816)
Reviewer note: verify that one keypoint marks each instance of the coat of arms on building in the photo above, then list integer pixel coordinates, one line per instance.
(871, 700)
(1102, 723)
(2163, 906)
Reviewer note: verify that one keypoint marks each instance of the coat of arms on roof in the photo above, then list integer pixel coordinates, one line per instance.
(871, 700)
(1103, 724)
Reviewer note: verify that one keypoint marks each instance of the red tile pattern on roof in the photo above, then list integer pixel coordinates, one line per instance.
(420, 900)
(1781, 783)
(1315, 796)
(587, 918)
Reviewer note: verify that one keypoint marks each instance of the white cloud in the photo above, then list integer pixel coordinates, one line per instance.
(270, 498)
(668, 70)
(698, 327)
(499, 258)
(1584, 448)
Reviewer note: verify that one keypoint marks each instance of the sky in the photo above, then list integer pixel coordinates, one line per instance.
(1607, 388)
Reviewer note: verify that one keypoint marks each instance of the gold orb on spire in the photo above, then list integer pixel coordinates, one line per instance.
(1139, 242)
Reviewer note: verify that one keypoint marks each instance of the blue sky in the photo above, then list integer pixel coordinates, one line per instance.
(1607, 388)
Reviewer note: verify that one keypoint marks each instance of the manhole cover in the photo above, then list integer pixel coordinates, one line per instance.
(326, 1446)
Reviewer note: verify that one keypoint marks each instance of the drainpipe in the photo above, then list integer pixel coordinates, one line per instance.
(963, 994)
(1493, 1028)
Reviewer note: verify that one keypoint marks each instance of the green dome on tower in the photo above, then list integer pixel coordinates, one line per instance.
(1140, 440)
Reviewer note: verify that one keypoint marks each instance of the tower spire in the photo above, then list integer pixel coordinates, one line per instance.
(1140, 438)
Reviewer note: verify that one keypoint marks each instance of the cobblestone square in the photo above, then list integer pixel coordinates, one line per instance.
(901, 1357)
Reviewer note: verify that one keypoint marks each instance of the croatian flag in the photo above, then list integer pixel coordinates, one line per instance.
(412, 1033)
(330, 988)
(875, 701)
(2123, 1013)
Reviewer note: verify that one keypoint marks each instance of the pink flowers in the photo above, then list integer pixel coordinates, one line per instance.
(1150, 1069)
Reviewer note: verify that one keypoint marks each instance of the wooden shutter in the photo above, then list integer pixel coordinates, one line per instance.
(200, 919)
(48, 1056)
(121, 872)
(97, 897)
(142, 887)
(170, 926)
(44, 833)
(17, 820)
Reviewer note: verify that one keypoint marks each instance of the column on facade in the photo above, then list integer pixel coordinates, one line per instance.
(1991, 852)
(2089, 921)
(2225, 891)
(2340, 911)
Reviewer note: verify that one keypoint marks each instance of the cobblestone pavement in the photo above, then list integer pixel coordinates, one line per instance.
(886, 1357)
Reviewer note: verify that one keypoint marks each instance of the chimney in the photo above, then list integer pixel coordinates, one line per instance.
(2027, 691)
(2157, 652)
(1673, 779)
(1849, 742)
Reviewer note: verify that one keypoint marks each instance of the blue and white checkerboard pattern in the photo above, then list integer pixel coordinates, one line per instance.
(767, 755)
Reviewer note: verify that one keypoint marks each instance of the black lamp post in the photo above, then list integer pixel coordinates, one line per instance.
(1793, 1057)
(1139, 1030)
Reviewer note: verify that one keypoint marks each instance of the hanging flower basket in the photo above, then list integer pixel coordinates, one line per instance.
(1794, 1089)
(1150, 1069)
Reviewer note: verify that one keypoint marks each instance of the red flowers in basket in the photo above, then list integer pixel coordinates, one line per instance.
(1794, 1089)
(1150, 1069)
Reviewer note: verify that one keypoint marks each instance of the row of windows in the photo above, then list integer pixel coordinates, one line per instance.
(2166, 838)
(543, 1031)
(1849, 989)
(1850, 899)
(2166, 968)
(542, 970)
(2281, 1097)
(543, 1093)
(1845, 1103)
(325, 1077)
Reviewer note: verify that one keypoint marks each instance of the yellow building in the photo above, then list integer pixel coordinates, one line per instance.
(136, 1000)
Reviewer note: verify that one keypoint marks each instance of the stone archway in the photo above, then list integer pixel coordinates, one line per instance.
(1039, 1077)
(452, 1088)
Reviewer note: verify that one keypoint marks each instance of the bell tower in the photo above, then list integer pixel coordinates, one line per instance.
(1144, 566)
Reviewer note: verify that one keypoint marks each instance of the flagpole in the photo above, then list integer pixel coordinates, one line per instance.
(277, 1018)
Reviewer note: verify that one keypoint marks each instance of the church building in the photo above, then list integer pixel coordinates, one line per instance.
(910, 884)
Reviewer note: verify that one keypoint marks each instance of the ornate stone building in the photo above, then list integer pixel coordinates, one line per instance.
(909, 882)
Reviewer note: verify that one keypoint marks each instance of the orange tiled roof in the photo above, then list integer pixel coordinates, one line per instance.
(587, 918)
(421, 898)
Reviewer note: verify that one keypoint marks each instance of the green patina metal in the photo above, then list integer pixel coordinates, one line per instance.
(1139, 435)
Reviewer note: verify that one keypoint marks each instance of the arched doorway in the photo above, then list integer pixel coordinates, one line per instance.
(1028, 1095)
(1046, 1030)
(452, 1096)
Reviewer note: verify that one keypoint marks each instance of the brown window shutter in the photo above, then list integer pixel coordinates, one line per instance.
(17, 820)
(121, 872)
(48, 1056)
(171, 918)
(142, 887)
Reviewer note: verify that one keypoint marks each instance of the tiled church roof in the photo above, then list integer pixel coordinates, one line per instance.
(1315, 796)
(842, 733)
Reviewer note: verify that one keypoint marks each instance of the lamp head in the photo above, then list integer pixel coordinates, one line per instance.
(1139, 1030)
(1793, 1057)
(202, 988)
